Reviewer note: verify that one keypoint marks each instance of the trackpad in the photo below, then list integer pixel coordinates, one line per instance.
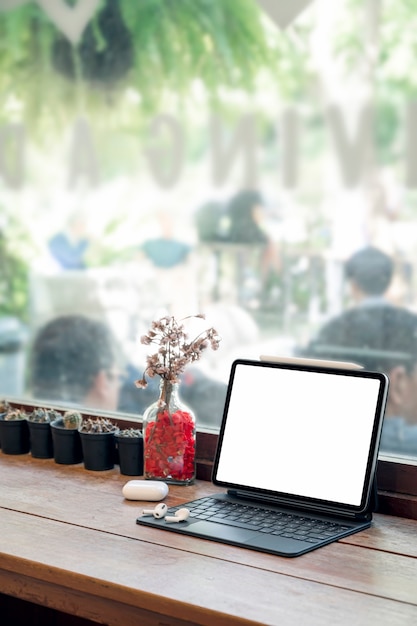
(279, 545)
(219, 532)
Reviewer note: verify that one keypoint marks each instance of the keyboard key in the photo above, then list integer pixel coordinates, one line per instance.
(266, 521)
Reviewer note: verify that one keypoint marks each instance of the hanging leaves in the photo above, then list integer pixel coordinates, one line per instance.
(152, 46)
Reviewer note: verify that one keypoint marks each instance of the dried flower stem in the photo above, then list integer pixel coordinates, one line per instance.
(174, 351)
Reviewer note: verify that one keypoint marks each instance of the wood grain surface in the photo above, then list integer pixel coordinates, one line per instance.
(69, 541)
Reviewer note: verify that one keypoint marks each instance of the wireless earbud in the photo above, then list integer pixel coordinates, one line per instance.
(159, 511)
(180, 516)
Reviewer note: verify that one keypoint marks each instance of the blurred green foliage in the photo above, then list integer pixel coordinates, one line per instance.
(167, 46)
(172, 47)
(14, 285)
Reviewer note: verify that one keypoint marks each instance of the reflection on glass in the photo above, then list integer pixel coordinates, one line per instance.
(203, 158)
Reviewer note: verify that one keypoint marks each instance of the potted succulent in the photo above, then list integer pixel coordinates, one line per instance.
(4, 407)
(98, 443)
(129, 445)
(39, 422)
(15, 432)
(66, 438)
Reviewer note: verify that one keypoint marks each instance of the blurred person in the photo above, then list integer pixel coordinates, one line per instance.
(170, 265)
(246, 213)
(68, 247)
(380, 338)
(369, 273)
(211, 222)
(204, 386)
(239, 331)
(166, 250)
(74, 361)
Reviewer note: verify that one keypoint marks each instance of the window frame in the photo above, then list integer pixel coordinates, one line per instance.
(397, 486)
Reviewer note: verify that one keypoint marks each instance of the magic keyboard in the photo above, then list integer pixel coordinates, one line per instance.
(267, 521)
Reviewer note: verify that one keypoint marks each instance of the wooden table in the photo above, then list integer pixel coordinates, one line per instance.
(69, 541)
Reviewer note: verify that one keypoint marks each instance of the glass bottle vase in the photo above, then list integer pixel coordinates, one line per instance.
(169, 438)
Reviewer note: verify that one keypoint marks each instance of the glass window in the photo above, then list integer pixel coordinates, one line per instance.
(251, 161)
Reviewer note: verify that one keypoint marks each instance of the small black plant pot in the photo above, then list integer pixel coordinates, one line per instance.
(66, 444)
(99, 450)
(41, 445)
(14, 436)
(130, 455)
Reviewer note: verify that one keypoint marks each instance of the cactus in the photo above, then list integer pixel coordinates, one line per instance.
(44, 415)
(16, 414)
(130, 432)
(72, 419)
(99, 425)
